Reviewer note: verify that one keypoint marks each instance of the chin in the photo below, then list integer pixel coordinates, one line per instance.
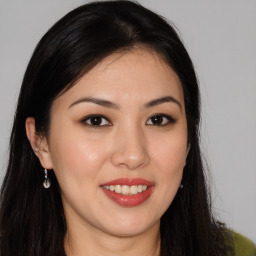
(131, 227)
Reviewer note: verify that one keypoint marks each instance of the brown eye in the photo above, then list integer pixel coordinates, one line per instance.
(157, 120)
(160, 120)
(96, 120)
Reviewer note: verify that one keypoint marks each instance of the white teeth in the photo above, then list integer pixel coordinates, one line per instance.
(140, 188)
(133, 190)
(127, 190)
(118, 189)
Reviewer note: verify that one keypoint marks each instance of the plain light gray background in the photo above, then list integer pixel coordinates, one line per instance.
(221, 39)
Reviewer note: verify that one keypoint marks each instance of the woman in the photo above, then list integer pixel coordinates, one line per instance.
(104, 156)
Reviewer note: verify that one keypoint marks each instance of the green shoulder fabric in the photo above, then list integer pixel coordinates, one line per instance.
(243, 246)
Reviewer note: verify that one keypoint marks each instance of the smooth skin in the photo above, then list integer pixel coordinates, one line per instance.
(139, 130)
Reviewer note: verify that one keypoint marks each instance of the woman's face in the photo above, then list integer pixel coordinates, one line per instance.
(118, 144)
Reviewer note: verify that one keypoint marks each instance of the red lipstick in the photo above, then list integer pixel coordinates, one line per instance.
(132, 199)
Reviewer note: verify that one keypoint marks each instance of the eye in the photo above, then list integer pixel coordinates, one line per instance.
(96, 121)
(160, 120)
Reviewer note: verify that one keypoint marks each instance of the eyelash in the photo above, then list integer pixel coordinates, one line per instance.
(168, 119)
(89, 118)
(163, 117)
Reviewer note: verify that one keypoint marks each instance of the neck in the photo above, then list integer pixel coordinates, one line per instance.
(93, 242)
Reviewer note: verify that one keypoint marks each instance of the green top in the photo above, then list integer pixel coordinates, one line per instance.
(243, 246)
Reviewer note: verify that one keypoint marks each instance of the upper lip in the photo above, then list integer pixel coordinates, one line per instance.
(129, 182)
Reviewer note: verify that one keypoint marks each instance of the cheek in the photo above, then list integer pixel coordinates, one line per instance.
(172, 158)
(170, 164)
(170, 153)
(75, 155)
(169, 160)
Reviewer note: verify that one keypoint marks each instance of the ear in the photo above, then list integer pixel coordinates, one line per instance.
(38, 143)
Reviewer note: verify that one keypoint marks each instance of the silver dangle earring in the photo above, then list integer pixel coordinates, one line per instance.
(181, 186)
(47, 181)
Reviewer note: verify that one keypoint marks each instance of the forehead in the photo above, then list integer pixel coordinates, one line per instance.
(139, 74)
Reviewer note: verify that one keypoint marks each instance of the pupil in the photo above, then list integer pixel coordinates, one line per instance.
(96, 120)
(157, 120)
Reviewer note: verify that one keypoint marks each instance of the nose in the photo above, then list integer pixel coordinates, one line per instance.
(130, 150)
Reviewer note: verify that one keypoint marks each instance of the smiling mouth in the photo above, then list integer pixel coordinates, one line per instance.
(127, 190)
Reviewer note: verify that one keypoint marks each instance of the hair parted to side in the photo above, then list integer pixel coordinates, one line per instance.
(32, 221)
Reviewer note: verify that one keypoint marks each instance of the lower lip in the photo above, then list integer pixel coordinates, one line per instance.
(129, 201)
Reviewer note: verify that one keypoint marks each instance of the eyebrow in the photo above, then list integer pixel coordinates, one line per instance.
(109, 104)
(101, 102)
(163, 100)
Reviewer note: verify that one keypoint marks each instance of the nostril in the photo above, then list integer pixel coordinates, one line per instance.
(130, 148)
(130, 160)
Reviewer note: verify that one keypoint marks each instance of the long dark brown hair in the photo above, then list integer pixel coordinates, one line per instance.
(32, 221)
